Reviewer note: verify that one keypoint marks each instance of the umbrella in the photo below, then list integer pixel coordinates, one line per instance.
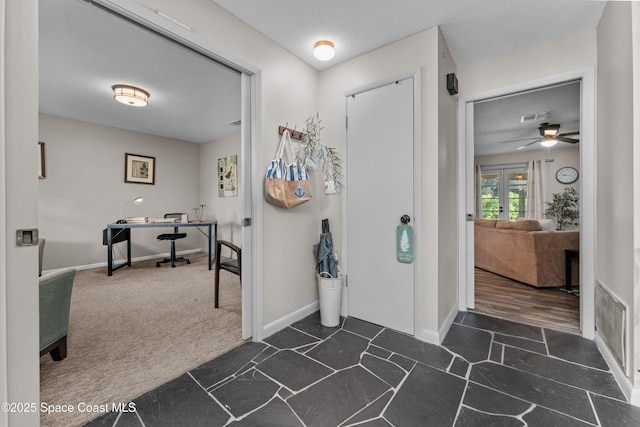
(325, 255)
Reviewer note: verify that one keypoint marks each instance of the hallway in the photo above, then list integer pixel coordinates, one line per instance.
(489, 371)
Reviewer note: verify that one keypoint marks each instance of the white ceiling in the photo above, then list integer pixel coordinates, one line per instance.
(84, 51)
(473, 29)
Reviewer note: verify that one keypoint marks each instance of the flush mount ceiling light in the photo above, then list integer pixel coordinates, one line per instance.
(130, 95)
(324, 50)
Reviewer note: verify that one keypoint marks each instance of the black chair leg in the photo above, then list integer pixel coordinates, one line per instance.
(173, 258)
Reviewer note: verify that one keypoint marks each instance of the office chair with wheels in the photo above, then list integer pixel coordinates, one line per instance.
(233, 265)
(173, 237)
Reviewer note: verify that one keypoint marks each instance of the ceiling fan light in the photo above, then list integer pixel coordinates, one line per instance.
(324, 50)
(548, 142)
(130, 95)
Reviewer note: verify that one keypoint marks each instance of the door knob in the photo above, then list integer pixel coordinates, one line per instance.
(405, 219)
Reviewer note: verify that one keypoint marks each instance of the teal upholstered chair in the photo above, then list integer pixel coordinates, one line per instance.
(55, 302)
(41, 243)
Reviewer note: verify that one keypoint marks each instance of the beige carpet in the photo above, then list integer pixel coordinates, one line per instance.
(136, 330)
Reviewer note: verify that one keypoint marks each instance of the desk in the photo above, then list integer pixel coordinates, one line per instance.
(112, 237)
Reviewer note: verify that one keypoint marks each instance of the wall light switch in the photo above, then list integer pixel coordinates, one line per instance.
(27, 237)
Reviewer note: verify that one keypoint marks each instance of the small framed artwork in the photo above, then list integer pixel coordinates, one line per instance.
(228, 176)
(139, 169)
(41, 169)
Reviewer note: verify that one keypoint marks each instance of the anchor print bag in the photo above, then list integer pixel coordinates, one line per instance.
(286, 184)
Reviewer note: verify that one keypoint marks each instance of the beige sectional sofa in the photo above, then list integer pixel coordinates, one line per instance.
(520, 251)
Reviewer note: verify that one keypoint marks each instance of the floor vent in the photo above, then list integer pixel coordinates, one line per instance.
(611, 323)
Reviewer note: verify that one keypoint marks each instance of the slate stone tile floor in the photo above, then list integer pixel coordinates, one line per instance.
(488, 372)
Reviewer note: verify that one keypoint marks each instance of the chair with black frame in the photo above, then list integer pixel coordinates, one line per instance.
(233, 265)
(173, 237)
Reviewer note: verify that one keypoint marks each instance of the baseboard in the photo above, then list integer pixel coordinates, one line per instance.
(142, 258)
(290, 318)
(632, 395)
(436, 338)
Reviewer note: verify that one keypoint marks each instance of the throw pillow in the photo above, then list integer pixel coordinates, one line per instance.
(547, 225)
(485, 222)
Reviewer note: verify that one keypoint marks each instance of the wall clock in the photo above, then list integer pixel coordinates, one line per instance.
(567, 175)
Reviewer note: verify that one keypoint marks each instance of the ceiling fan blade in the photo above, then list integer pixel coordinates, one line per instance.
(569, 140)
(569, 133)
(518, 140)
(529, 143)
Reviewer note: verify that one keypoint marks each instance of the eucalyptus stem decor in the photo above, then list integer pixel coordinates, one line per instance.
(311, 154)
(564, 208)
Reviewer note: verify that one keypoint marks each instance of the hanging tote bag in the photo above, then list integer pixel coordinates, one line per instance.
(286, 185)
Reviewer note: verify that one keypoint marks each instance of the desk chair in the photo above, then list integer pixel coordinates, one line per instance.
(173, 237)
(233, 265)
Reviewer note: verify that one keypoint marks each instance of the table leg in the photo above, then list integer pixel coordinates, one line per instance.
(109, 252)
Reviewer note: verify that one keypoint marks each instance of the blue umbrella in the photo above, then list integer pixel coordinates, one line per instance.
(326, 261)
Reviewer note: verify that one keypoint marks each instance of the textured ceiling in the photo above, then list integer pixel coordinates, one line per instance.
(85, 50)
(497, 125)
(474, 30)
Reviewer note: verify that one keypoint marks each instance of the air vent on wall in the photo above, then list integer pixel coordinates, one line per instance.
(534, 117)
(610, 319)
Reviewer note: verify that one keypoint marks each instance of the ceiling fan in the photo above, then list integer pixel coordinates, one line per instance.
(549, 136)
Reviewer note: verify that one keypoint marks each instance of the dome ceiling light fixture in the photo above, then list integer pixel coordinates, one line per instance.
(130, 95)
(324, 50)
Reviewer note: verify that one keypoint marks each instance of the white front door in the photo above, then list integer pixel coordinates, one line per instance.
(380, 190)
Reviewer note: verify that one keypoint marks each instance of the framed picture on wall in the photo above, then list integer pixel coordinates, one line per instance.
(228, 176)
(139, 169)
(41, 170)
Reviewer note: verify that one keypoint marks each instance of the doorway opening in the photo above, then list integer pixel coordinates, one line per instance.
(248, 212)
(509, 156)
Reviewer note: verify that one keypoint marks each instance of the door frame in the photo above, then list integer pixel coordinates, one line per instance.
(466, 282)
(417, 194)
(251, 148)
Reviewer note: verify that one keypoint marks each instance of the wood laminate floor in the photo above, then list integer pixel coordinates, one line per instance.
(548, 307)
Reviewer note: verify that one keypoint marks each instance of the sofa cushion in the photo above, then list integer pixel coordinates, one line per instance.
(485, 222)
(523, 225)
(547, 225)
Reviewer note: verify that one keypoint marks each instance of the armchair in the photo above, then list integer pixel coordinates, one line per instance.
(233, 265)
(55, 303)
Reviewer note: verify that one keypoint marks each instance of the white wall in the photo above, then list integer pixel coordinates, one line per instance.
(226, 210)
(635, 11)
(420, 52)
(542, 60)
(614, 263)
(569, 156)
(84, 190)
(19, 374)
(288, 95)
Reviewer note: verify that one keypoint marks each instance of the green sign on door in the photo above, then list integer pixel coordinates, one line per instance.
(404, 243)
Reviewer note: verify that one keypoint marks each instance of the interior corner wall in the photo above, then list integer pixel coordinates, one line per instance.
(84, 190)
(614, 242)
(447, 188)
(288, 94)
(414, 53)
(226, 210)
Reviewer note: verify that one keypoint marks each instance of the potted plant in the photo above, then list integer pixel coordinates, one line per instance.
(312, 154)
(564, 208)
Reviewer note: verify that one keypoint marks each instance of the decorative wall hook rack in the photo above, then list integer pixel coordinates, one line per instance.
(294, 133)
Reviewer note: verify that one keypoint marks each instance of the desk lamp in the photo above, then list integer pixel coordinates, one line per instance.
(137, 200)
